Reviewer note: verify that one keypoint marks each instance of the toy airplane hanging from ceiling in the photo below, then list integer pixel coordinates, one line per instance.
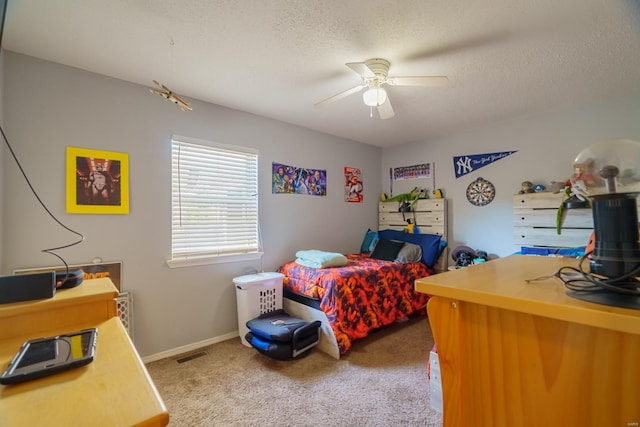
(167, 94)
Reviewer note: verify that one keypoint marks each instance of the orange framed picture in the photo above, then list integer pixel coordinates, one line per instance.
(97, 181)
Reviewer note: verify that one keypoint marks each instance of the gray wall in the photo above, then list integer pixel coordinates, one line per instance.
(547, 144)
(49, 107)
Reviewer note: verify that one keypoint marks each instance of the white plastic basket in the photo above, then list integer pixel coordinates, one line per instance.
(124, 303)
(256, 294)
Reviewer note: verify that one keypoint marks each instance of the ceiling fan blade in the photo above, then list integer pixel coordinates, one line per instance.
(418, 81)
(471, 43)
(361, 68)
(340, 96)
(386, 110)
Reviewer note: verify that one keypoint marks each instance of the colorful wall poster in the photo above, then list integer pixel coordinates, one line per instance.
(352, 185)
(296, 180)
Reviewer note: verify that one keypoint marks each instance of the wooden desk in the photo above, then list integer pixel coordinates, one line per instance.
(518, 354)
(113, 390)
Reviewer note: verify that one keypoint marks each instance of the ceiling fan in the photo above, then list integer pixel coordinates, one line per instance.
(375, 74)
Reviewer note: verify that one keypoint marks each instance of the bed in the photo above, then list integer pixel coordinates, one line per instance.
(371, 290)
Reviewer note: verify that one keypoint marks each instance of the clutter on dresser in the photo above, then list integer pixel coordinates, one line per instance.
(464, 256)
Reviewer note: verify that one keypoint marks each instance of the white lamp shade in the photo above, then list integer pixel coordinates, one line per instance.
(374, 97)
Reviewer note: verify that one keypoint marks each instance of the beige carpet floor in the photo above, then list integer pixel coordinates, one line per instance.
(381, 381)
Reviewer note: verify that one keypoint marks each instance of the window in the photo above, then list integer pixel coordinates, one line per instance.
(214, 202)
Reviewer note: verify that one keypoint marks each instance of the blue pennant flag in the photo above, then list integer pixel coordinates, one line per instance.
(466, 164)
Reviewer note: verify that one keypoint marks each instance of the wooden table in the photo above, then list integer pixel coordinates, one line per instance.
(113, 390)
(518, 354)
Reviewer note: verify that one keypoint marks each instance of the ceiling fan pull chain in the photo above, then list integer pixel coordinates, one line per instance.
(370, 111)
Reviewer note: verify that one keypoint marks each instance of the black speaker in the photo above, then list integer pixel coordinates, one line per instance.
(27, 287)
(615, 224)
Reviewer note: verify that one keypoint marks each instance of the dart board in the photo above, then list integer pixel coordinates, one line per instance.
(480, 192)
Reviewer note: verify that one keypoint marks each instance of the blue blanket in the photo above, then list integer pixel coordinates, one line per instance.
(320, 259)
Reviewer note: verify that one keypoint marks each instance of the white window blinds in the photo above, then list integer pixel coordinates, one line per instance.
(214, 199)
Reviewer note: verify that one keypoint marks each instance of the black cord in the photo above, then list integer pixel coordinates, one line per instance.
(49, 251)
(576, 279)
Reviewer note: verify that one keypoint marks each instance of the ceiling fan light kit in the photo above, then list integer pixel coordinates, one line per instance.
(374, 97)
(374, 74)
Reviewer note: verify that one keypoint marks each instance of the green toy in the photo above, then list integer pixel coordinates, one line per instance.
(411, 197)
(574, 198)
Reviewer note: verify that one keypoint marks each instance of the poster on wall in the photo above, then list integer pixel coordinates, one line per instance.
(470, 162)
(97, 181)
(296, 180)
(412, 172)
(352, 185)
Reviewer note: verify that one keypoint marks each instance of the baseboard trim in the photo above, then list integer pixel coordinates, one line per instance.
(189, 347)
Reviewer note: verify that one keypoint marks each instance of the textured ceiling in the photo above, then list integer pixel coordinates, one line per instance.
(277, 58)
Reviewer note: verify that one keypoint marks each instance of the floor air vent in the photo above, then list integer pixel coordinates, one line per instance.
(191, 356)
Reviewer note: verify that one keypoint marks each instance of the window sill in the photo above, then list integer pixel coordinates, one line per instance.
(192, 262)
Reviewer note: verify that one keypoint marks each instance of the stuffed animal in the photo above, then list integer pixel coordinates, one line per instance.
(527, 187)
(585, 172)
(557, 186)
(411, 227)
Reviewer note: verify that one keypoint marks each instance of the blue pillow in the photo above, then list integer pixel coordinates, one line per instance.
(430, 243)
(370, 240)
(443, 244)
